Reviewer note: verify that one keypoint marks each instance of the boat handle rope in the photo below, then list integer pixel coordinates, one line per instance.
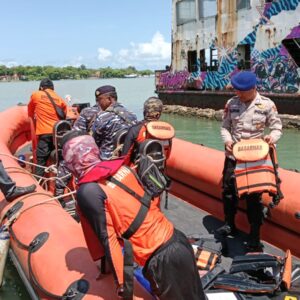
(74, 292)
(50, 198)
(40, 182)
(71, 292)
(28, 163)
(51, 168)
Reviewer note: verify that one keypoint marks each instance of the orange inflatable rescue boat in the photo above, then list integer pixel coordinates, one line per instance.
(197, 178)
(47, 244)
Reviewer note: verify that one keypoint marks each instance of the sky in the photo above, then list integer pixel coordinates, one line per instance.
(96, 33)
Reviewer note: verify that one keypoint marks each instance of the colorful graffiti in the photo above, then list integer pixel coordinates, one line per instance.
(173, 81)
(275, 73)
(275, 69)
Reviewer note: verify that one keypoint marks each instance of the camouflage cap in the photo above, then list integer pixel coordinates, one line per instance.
(153, 108)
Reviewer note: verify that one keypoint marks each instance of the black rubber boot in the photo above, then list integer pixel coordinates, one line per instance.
(230, 209)
(254, 244)
(227, 229)
(20, 191)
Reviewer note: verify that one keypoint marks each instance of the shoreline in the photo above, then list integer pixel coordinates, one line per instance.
(288, 121)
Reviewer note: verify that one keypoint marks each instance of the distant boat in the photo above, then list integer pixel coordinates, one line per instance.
(131, 75)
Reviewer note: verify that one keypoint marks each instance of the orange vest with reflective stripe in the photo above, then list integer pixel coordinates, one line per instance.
(205, 260)
(255, 176)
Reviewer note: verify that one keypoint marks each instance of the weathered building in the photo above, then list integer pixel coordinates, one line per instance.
(214, 39)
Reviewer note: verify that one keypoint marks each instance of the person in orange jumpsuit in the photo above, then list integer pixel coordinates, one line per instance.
(44, 116)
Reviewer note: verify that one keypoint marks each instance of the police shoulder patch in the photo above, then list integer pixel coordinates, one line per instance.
(260, 105)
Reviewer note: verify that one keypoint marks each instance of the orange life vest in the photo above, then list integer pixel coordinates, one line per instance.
(254, 176)
(123, 208)
(205, 260)
(158, 130)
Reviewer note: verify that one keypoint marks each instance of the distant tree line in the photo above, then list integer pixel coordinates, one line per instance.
(27, 73)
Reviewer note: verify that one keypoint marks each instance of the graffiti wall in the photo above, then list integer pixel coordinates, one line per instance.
(276, 70)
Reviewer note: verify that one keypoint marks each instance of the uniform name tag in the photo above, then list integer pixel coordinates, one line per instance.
(260, 112)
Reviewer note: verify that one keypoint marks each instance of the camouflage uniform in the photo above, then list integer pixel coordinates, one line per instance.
(83, 123)
(246, 121)
(86, 118)
(153, 108)
(115, 118)
(152, 111)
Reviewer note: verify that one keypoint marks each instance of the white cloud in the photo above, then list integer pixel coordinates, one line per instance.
(9, 64)
(104, 54)
(154, 54)
(75, 62)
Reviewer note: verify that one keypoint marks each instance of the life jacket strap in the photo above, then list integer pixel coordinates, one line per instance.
(141, 215)
(279, 196)
(134, 226)
(128, 271)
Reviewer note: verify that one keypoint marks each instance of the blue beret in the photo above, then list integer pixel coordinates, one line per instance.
(104, 90)
(243, 81)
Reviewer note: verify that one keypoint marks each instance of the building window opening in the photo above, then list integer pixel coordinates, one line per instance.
(293, 47)
(203, 63)
(244, 57)
(214, 62)
(209, 59)
(192, 61)
(243, 4)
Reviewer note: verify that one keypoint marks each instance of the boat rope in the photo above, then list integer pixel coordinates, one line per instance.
(24, 161)
(70, 293)
(42, 180)
(33, 205)
(45, 200)
(48, 169)
(52, 168)
(14, 217)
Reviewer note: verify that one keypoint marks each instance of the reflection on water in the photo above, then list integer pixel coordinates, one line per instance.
(12, 288)
(207, 132)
